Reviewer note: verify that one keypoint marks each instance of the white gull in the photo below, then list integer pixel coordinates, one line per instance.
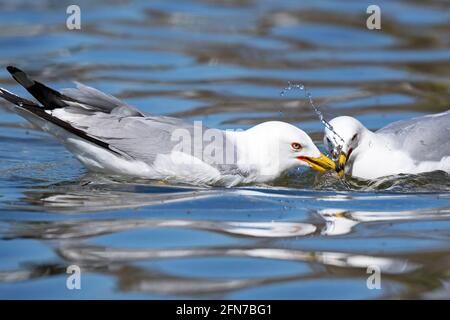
(109, 136)
(410, 146)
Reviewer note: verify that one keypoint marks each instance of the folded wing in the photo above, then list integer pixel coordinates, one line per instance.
(425, 138)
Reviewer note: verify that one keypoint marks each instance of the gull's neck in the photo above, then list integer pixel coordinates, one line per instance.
(370, 139)
(370, 144)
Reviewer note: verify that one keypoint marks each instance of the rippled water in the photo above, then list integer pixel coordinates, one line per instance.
(304, 236)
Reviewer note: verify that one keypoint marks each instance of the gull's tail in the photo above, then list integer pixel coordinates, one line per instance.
(18, 101)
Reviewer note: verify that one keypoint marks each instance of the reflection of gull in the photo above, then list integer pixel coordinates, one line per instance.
(410, 146)
(271, 229)
(90, 228)
(386, 265)
(336, 222)
(86, 254)
(135, 279)
(88, 194)
(118, 262)
(338, 259)
(16, 275)
(340, 221)
(132, 279)
(107, 135)
(97, 193)
(122, 262)
(86, 200)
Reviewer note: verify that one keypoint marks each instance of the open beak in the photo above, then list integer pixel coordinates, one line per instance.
(321, 163)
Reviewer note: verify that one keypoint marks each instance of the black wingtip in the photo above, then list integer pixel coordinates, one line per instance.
(49, 98)
(20, 76)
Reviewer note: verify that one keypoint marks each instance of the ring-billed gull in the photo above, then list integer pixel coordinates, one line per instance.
(410, 146)
(107, 135)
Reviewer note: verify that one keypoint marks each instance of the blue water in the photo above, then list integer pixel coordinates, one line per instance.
(301, 237)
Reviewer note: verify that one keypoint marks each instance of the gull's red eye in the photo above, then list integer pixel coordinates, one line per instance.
(354, 136)
(296, 145)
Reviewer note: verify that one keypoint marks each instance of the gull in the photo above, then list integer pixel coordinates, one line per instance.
(411, 146)
(110, 136)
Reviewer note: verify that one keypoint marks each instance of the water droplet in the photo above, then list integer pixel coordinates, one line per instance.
(308, 95)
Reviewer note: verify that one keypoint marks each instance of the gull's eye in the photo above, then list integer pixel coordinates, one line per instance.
(296, 145)
(354, 136)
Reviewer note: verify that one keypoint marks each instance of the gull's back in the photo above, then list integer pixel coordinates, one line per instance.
(425, 138)
(138, 134)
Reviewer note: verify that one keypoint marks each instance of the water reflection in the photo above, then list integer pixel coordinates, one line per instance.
(120, 263)
(139, 270)
(339, 221)
(92, 228)
(88, 200)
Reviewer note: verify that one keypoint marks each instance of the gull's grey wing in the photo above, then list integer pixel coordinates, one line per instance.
(425, 138)
(142, 138)
(97, 100)
(140, 135)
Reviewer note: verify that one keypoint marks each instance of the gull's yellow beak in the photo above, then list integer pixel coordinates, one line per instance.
(340, 168)
(322, 163)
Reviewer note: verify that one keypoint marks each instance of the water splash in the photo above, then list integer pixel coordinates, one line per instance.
(308, 95)
(290, 87)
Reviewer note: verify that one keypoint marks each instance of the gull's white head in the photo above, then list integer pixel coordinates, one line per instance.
(349, 133)
(274, 147)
